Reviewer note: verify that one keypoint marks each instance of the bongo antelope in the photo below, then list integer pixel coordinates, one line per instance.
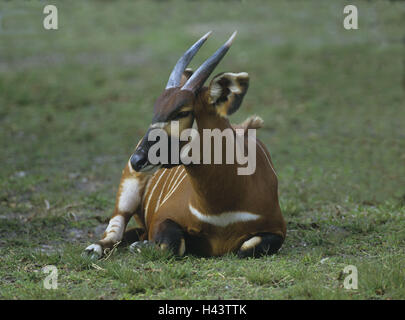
(202, 209)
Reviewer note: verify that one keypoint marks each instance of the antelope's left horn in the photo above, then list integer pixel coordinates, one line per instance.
(182, 63)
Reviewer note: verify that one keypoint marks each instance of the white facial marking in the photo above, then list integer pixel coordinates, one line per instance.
(96, 248)
(130, 196)
(115, 229)
(251, 243)
(159, 125)
(224, 219)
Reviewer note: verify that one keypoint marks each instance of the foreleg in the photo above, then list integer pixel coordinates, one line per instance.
(168, 236)
(129, 197)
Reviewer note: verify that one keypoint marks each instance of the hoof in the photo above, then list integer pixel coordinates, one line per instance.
(137, 246)
(93, 251)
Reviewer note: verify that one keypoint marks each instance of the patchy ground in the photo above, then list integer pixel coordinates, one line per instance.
(73, 102)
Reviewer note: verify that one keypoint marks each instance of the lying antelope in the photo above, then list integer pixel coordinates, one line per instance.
(202, 209)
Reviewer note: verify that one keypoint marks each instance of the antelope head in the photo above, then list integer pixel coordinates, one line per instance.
(184, 91)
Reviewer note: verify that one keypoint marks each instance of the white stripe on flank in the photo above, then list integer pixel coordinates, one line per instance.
(169, 187)
(151, 193)
(147, 187)
(175, 186)
(176, 183)
(161, 192)
(267, 158)
(224, 219)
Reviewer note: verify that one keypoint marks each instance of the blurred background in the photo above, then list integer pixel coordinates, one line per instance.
(74, 101)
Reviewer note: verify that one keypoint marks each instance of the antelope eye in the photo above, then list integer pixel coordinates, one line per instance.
(181, 114)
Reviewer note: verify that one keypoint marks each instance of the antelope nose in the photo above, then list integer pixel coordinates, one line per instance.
(138, 160)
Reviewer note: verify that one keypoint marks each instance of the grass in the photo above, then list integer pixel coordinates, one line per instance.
(73, 103)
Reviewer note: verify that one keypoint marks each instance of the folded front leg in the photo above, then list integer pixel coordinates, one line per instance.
(168, 235)
(129, 197)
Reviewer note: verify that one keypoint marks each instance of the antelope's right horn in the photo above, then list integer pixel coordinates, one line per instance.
(198, 78)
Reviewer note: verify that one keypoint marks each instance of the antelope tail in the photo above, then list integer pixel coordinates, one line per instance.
(253, 122)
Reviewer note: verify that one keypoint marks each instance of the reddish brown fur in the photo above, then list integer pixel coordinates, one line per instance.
(212, 189)
(215, 189)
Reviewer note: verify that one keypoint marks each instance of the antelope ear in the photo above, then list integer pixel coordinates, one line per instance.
(226, 91)
(185, 76)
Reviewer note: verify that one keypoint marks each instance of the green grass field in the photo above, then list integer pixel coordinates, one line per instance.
(74, 102)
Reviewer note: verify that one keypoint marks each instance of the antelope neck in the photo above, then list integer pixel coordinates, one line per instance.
(214, 185)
